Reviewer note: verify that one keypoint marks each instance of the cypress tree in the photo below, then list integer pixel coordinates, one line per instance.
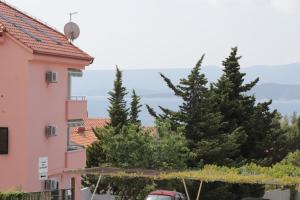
(203, 126)
(230, 92)
(192, 90)
(265, 140)
(135, 109)
(117, 110)
(224, 125)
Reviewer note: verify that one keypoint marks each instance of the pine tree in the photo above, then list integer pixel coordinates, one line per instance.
(117, 110)
(230, 92)
(135, 109)
(203, 126)
(292, 129)
(265, 140)
(193, 92)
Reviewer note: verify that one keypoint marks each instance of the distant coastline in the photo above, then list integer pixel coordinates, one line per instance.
(273, 84)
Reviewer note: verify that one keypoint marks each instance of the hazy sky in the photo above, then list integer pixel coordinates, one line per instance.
(174, 33)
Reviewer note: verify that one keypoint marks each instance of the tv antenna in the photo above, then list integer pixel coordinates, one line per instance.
(71, 14)
(71, 29)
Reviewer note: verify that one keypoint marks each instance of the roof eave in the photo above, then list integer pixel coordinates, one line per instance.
(89, 59)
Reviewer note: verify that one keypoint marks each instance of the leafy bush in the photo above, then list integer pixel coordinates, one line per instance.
(11, 195)
(132, 146)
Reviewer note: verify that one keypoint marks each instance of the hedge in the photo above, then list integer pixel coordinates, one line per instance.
(11, 195)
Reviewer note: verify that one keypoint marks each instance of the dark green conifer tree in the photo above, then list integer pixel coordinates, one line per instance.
(225, 126)
(265, 140)
(135, 109)
(117, 110)
(193, 111)
(203, 125)
(230, 93)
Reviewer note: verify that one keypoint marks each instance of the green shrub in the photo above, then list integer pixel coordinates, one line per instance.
(11, 195)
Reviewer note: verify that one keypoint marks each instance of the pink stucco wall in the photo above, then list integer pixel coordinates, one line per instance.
(75, 159)
(76, 109)
(13, 111)
(27, 104)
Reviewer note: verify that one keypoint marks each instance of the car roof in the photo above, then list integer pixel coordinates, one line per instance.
(164, 192)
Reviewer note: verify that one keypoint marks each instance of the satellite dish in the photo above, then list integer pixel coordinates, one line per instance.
(72, 31)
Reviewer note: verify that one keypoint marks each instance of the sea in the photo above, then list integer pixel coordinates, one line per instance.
(98, 105)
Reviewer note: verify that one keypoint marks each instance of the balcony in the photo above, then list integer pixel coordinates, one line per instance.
(76, 108)
(75, 159)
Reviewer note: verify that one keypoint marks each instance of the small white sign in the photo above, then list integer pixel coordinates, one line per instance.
(43, 168)
(43, 176)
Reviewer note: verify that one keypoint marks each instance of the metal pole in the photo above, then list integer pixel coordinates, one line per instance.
(96, 187)
(198, 195)
(186, 191)
(71, 14)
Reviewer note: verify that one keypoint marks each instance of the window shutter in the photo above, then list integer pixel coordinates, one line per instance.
(3, 140)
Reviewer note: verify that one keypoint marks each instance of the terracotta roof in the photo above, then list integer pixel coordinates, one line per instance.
(2, 28)
(85, 136)
(40, 38)
(90, 123)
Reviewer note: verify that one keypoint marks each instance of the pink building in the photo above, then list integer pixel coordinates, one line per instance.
(37, 111)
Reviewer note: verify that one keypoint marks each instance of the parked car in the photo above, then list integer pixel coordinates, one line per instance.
(165, 195)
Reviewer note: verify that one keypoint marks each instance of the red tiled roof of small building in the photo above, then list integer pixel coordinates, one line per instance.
(38, 37)
(90, 123)
(85, 136)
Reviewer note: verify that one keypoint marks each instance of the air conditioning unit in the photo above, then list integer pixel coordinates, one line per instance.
(51, 77)
(50, 184)
(51, 131)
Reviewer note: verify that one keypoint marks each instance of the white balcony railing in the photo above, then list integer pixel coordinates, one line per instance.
(76, 107)
(77, 98)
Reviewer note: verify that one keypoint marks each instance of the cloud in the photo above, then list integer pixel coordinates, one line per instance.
(224, 3)
(282, 6)
(286, 6)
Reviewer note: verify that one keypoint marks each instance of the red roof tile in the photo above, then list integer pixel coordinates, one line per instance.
(86, 136)
(2, 27)
(84, 139)
(89, 124)
(40, 38)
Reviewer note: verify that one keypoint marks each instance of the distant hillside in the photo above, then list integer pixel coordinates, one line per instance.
(277, 91)
(276, 82)
(280, 83)
(282, 74)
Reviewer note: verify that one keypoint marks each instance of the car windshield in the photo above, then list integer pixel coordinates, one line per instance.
(158, 197)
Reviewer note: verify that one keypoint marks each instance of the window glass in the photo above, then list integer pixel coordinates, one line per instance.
(3, 140)
(179, 196)
(158, 197)
(182, 197)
